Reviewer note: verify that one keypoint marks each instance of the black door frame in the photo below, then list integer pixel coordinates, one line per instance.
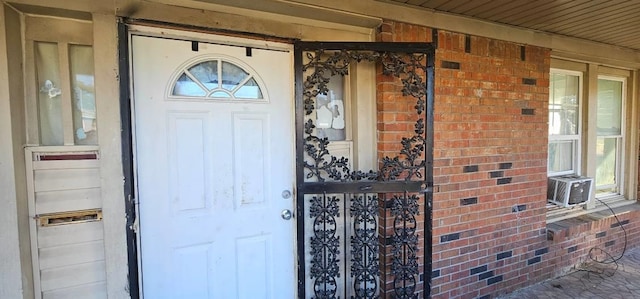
(338, 179)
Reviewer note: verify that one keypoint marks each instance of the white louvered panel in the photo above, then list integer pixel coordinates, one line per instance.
(65, 201)
(66, 179)
(69, 234)
(72, 276)
(68, 200)
(86, 291)
(65, 164)
(72, 254)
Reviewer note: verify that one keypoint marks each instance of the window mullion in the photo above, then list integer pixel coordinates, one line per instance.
(66, 96)
(31, 94)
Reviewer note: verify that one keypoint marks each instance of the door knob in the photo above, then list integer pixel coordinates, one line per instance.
(286, 214)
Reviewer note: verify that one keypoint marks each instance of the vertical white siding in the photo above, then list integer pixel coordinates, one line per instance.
(11, 285)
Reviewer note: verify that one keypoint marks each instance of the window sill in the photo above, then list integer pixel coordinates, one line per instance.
(556, 213)
(592, 220)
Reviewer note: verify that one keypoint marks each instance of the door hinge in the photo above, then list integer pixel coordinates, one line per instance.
(135, 226)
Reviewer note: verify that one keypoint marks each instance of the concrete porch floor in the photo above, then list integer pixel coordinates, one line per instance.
(594, 281)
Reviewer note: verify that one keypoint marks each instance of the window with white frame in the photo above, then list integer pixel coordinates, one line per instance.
(610, 132)
(60, 98)
(564, 122)
(345, 114)
(587, 134)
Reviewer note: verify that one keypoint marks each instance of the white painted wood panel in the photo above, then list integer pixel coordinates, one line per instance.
(189, 175)
(71, 276)
(68, 234)
(72, 254)
(87, 291)
(66, 179)
(250, 159)
(253, 256)
(191, 271)
(58, 29)
(67, 200)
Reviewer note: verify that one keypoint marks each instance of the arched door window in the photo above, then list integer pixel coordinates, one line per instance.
(217, 79)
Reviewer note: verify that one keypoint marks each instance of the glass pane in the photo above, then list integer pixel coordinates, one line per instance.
(207, 73)
(220, 94)
(563, 104)
(606, 153)
(187, 87)
(84, 101)
(609, 107)
(330, 111)
(249, 90)
(232, 76)
(561, 156)
(47, 65)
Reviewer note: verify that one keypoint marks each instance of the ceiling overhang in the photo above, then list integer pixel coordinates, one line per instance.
(612, 22)
(493, 19)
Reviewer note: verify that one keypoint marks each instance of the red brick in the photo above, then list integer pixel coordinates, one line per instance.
(478, 121)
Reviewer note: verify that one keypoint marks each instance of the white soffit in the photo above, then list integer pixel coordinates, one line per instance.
(613, 22)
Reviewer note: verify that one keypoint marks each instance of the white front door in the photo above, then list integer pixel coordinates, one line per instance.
(214, 157)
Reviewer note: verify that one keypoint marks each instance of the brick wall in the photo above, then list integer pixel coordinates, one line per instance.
(490, 163)
(490, 151)
(396, 118)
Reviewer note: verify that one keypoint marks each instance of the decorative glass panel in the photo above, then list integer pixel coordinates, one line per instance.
(561, 156)
(207, 73)
(202, 80)
(185, 86)
(563, 104)
(609, 118)
(84, 101)
(47, 64)
(330, 111)
(249, 90)
(232, 76)
(606, 152)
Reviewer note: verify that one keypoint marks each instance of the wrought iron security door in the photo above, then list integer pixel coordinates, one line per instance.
(359, 232)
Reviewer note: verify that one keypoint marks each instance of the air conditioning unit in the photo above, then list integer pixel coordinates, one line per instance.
(569, 190)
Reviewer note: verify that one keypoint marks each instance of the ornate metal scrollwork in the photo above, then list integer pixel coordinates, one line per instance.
(365, 267)
(404, 265)
(319, 165)
(321, 66)
(325, 246)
